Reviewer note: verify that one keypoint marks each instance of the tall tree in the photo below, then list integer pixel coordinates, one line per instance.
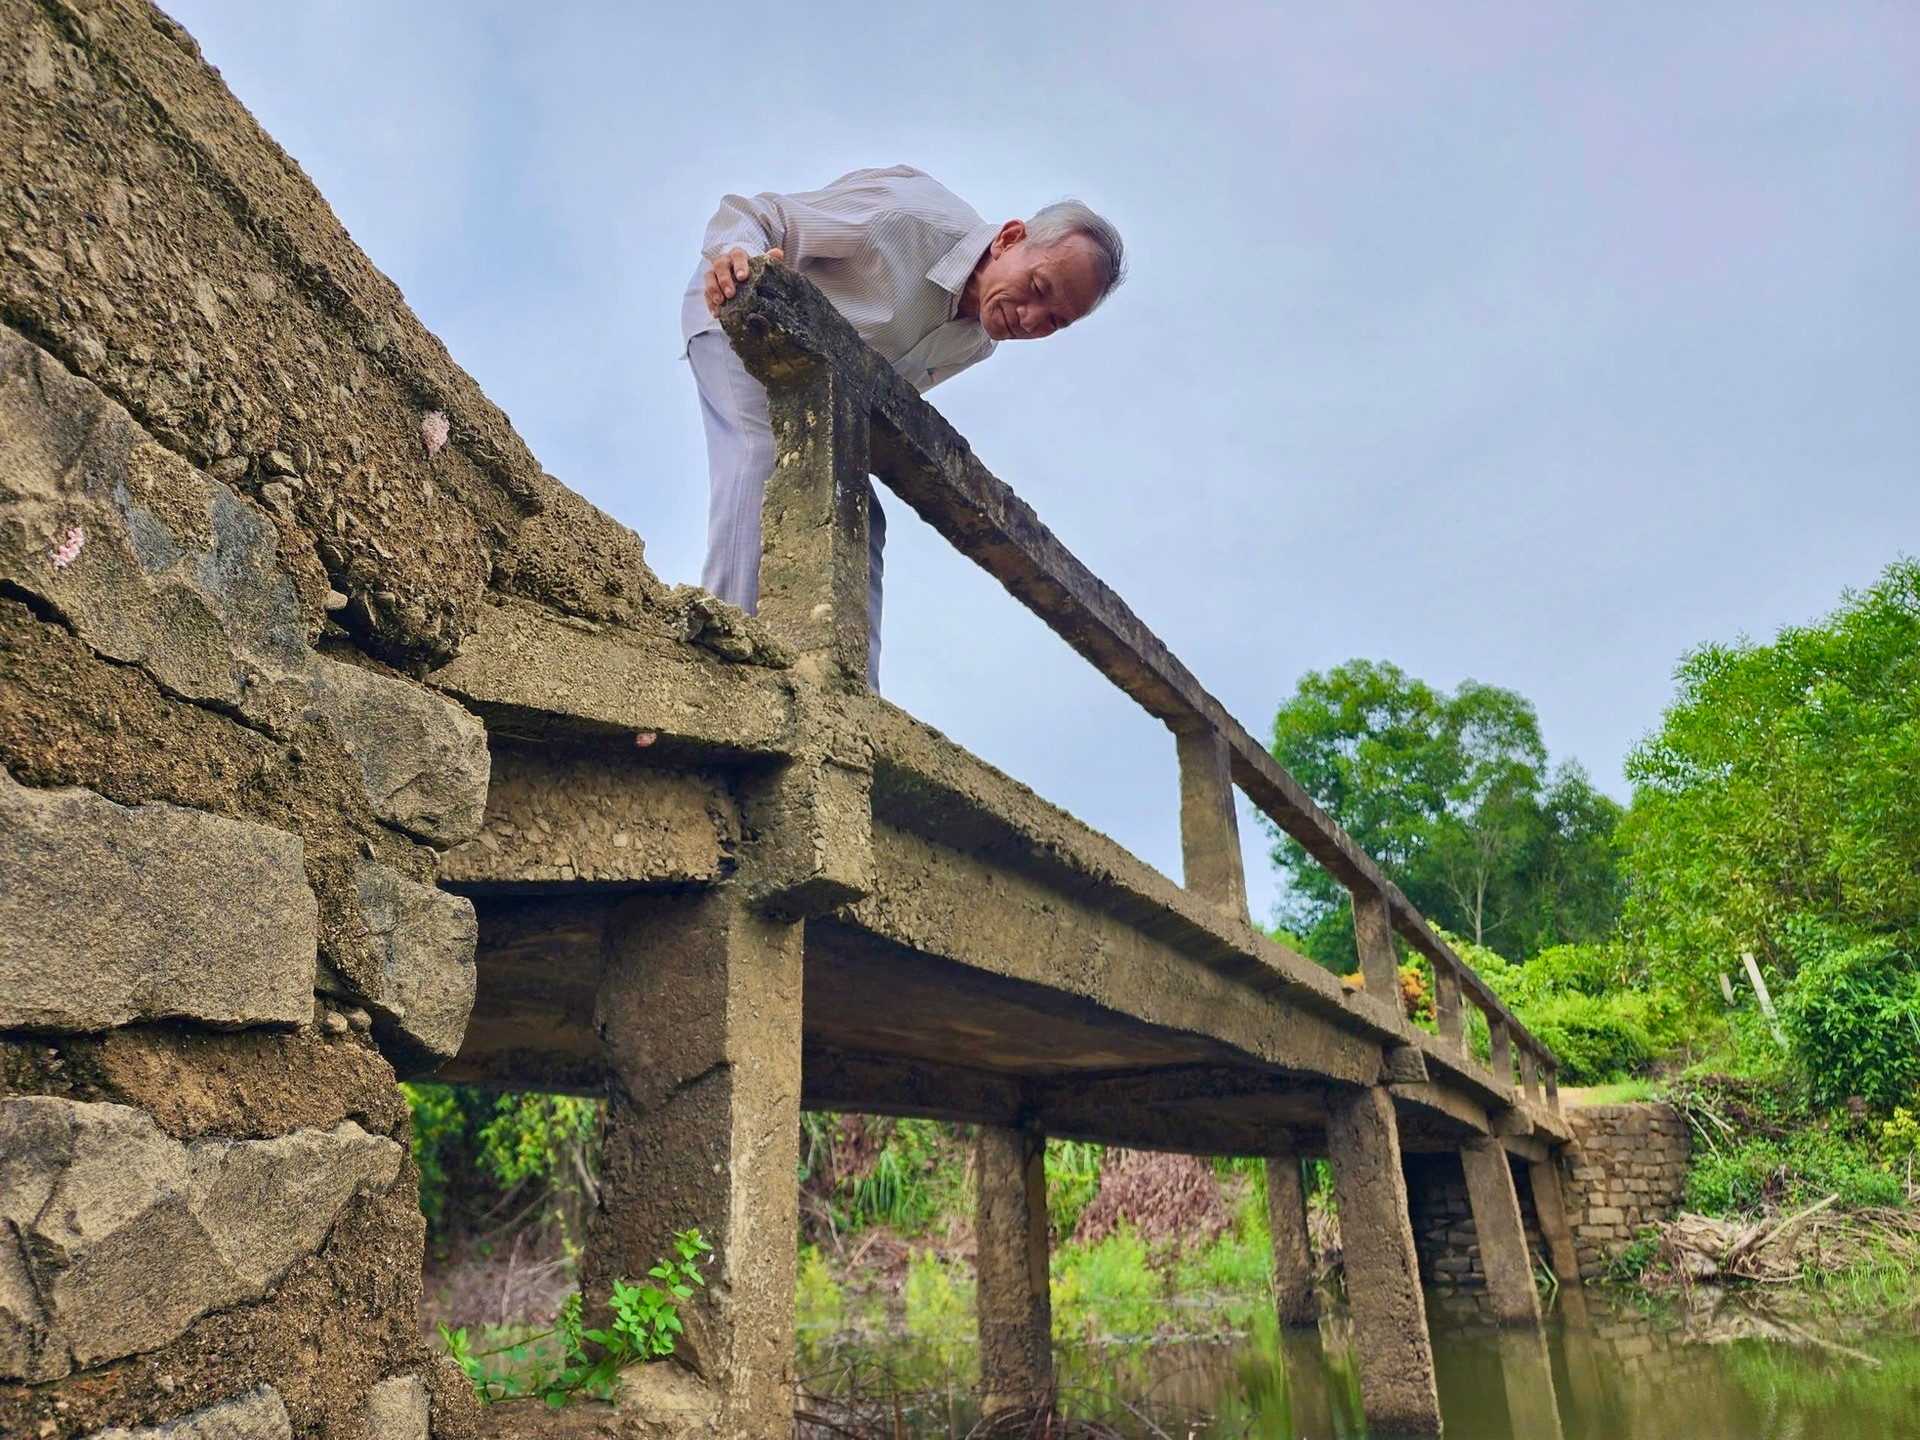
(1783, 787)
(1453, 796)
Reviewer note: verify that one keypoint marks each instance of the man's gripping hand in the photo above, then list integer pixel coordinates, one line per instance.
(728, 274)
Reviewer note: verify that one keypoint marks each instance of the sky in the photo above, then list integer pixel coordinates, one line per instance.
(1533, 344)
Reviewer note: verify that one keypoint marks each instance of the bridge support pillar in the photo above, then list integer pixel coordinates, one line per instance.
(1015, 1310)
(1550, 1205)
(1500, 1231)
(1397, 1390)
(1292, 1250)
(699, 1008)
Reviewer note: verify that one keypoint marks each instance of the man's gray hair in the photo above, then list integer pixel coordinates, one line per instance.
(1064, 219)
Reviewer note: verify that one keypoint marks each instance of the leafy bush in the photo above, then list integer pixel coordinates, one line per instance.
(1760, 1172)
(1107, 1290)
(1597, 1038)
(1852, 1015)
(1073, 1179)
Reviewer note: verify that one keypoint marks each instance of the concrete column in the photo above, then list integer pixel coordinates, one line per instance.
(1014, 1307)
(1209, 828)
(1550, 1206)
(1383, 1273)
(1502, 1236)
(699, 1008)
(1292, 1251)
(1373, 938)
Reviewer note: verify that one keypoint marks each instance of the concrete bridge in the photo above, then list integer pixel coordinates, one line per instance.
(794, 895)
(265, 555)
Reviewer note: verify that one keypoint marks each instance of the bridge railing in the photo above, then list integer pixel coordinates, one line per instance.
(840, 412)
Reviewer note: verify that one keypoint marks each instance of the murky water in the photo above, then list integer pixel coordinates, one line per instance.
(1714, 1371)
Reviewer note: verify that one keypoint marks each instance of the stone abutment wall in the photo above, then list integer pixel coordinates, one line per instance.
(1626, 1168)
(246, 504)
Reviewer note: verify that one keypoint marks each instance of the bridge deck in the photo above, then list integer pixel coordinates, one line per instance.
(1010, 964)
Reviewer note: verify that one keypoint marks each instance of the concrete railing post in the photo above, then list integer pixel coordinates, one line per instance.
(699, 1008)
(1209, 829)
(1292, 1248)
(1502, 1234)
(1012, 1301)
(1389, 1313)
(1373, 938)
(1446, 1005)
(813, 536)
(1500, 1049)
(1529, 1073)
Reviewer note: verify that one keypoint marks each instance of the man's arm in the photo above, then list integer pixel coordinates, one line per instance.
(811, 225)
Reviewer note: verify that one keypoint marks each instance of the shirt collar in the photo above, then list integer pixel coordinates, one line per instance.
(951, 270)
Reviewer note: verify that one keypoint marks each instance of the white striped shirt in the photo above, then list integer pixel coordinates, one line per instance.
(892, 249)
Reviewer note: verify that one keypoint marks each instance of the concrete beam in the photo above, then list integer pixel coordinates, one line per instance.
(559, 818)
(533, 674)
(928, 899)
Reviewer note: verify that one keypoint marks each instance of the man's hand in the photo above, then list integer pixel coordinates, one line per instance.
(728, 274)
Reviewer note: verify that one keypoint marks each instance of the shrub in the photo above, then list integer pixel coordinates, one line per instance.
(1598, 1038)
(1781, 1174)
(1852, 1016)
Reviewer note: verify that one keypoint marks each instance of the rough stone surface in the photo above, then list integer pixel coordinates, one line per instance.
(152, 563)
(111, 914)
(424, 939)
(423, 757)
(261, 1415)
(397, 1409)
(120, 1236)
(69, 718)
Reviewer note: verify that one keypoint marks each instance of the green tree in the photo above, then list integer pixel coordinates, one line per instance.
(1782, 785)
(1453, 796)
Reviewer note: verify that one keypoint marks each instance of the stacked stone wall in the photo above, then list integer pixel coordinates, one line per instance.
(1626, 1169)
(1443, 1230)
(247, 504)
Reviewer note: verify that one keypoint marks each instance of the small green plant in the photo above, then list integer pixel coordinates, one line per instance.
(646, 1320)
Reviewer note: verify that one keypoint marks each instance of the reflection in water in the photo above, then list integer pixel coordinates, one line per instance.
(1716, 1373)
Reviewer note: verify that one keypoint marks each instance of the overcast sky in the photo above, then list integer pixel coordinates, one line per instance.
(1532, 343)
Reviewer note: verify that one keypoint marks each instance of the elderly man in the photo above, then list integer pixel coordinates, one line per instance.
(925, 281)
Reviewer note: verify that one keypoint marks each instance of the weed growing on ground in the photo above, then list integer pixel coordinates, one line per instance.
(646, 1321)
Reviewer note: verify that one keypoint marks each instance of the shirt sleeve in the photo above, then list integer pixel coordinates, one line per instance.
(827, 224)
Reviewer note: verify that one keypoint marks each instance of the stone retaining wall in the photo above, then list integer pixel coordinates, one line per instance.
(1626, 1168)
(1443, 1233)
(246, 502)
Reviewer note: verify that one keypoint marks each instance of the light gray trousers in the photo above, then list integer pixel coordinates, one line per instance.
(733, 406)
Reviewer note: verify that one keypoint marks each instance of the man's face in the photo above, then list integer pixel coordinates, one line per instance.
(1027, 293)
